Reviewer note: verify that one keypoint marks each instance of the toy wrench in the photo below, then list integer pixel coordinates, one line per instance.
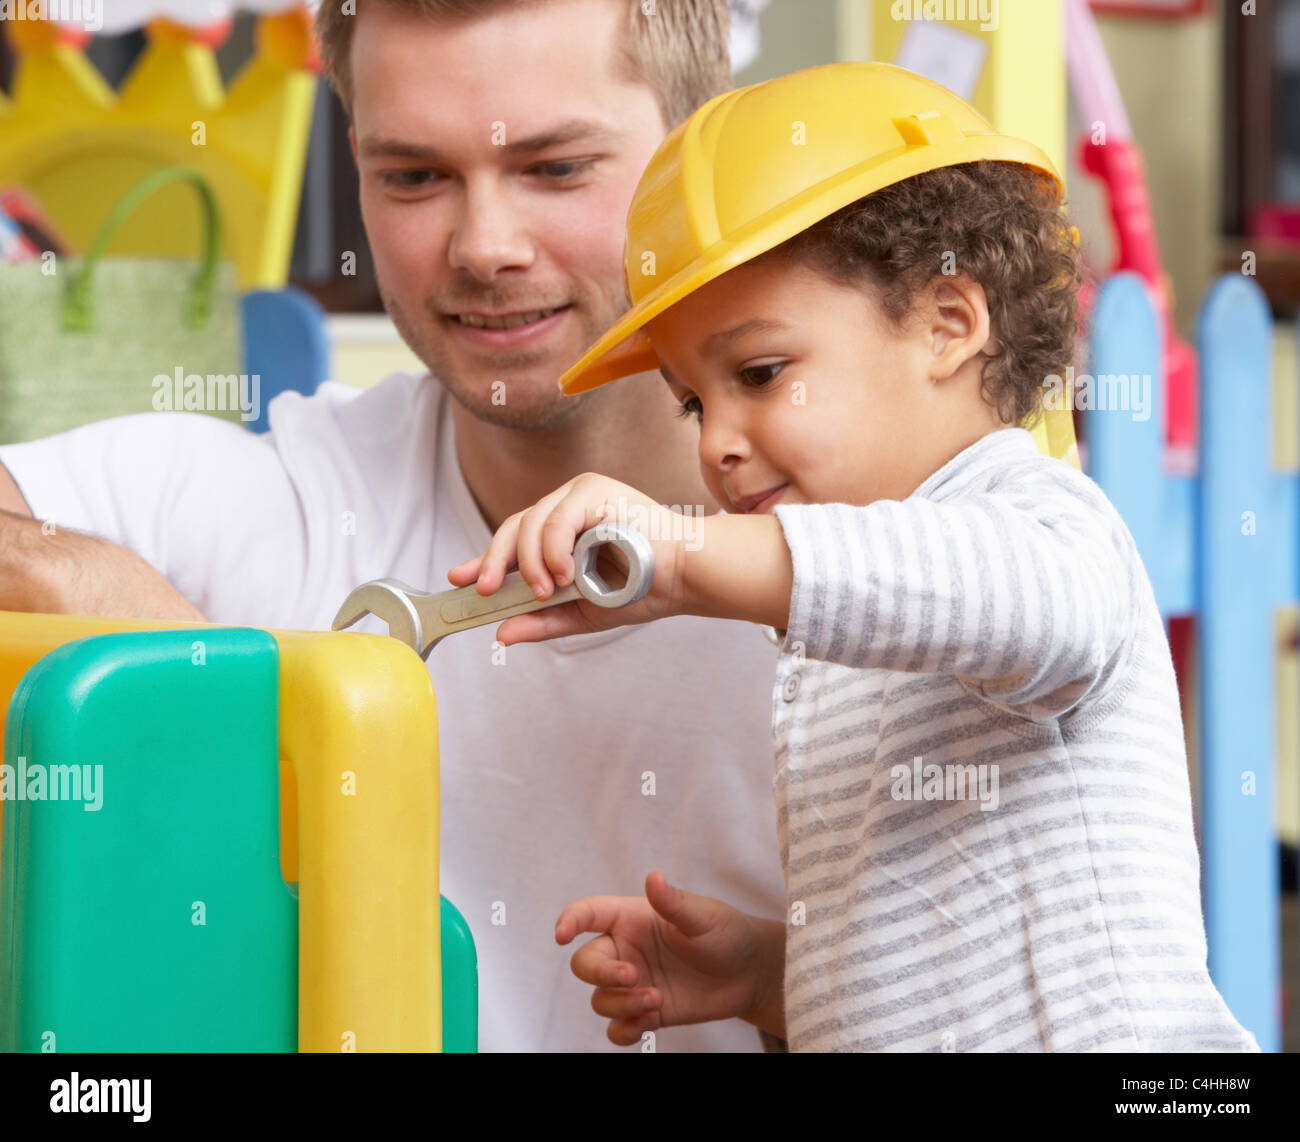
(422, 620)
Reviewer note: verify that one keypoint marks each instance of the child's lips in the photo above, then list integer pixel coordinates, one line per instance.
(761, 502)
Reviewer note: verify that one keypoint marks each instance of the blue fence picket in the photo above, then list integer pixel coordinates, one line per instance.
(1126, 453)
(1237, 543)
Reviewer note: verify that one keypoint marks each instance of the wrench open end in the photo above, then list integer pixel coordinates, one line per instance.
(389, 600)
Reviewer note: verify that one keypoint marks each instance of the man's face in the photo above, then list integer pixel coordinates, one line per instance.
(497, 158)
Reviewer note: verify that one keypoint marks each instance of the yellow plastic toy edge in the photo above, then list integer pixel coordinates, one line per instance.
(358, 728)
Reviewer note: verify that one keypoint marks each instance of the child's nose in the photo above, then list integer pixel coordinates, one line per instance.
(723, 443)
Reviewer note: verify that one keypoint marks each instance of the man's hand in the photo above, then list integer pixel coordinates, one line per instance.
(672, 957)
(62, 572)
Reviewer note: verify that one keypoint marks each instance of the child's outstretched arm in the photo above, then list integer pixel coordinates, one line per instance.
(672, 957)
(1024, 592)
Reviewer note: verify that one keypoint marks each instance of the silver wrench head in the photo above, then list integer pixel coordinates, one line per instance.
(395, 603)
(386, 599)
(640, 564)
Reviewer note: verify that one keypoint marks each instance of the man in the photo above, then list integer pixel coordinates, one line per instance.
(498, 143)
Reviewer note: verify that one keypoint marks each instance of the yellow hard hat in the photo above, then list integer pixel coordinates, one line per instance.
(755, 166)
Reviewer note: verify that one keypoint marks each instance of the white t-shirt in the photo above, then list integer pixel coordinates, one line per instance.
(543, 760)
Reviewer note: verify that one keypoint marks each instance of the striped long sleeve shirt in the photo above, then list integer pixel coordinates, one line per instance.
(981, 781)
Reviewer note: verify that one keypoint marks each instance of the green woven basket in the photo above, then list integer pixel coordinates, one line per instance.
(84, 339)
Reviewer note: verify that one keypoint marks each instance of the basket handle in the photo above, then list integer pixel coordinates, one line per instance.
(78, 312)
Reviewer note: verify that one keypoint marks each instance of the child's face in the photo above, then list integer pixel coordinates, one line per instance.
(804, 385)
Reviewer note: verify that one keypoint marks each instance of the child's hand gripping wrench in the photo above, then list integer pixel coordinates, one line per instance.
(421, 619)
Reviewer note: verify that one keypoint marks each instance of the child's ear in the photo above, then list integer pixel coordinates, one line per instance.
(958, 316)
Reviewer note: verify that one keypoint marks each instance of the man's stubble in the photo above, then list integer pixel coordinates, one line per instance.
(536, 407)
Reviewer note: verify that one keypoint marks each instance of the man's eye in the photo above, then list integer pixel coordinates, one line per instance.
(759, 375)
(559, 171)
(413, 179)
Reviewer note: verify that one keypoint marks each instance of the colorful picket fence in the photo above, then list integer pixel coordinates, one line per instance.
(1220, 544)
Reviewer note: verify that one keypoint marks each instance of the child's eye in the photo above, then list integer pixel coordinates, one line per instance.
(759, 375)
(686, 409)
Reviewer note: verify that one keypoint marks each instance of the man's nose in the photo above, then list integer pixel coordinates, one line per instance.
(489, 235)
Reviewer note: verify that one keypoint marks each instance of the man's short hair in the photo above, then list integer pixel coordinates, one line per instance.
(678, 48)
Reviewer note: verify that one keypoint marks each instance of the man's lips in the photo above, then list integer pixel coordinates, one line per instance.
(504, 319)
(505, 329)
(760, 501)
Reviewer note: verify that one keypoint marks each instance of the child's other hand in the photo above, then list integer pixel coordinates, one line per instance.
(672, 957)
(541, 538)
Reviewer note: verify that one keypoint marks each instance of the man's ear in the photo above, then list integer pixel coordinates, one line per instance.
(958, 316)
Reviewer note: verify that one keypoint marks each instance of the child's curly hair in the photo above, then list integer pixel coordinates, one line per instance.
(1004, 226)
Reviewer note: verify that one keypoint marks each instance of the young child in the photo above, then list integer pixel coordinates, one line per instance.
(859, 291)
